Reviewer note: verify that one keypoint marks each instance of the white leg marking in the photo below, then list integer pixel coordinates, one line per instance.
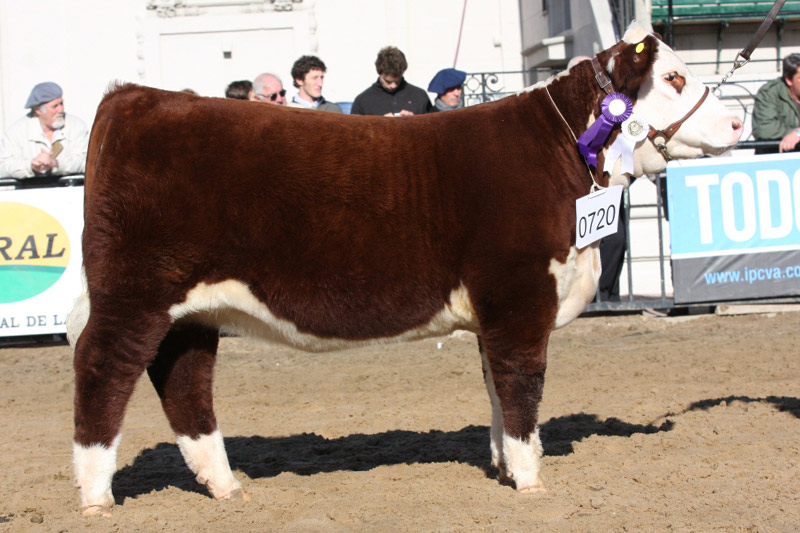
(496, 441)
(94, 467)
(206, 457)
(524, 461)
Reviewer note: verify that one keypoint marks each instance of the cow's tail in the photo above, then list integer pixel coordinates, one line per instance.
(100, 128)
(79, 316)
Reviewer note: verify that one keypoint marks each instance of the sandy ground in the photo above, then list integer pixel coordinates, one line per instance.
(649, 424)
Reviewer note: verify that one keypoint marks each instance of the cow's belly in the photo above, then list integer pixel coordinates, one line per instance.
(576, 282)
(231, 306)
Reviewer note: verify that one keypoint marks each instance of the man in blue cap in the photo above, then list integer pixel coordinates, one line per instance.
(448, 84)
(46, 142)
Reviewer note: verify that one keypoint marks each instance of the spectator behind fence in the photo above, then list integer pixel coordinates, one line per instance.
(448, 84)
(46, 142)
(268, 88)
(239, 90)
(308, 75)
(391, 95)
(775, 114)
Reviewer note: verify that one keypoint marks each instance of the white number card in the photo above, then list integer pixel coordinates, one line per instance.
(597, 215)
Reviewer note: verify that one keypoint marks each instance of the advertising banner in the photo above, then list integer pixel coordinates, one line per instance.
(735, 227)
(40, 259)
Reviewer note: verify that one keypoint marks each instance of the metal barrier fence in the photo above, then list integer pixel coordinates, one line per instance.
(38, 182)
(664, 301)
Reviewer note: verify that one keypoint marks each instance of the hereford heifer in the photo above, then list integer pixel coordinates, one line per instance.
(325, 231)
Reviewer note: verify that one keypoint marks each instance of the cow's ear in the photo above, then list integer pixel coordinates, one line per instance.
(633, 63)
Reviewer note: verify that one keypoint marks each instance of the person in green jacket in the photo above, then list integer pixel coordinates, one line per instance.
(776, 114)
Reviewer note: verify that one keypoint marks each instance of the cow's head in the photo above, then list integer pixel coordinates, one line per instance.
(665, 92)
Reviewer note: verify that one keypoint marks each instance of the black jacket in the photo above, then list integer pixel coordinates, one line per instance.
(377, 101)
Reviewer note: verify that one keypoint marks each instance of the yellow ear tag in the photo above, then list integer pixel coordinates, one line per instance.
(639, 48)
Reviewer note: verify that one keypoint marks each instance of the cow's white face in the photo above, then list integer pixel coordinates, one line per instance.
(666, 97)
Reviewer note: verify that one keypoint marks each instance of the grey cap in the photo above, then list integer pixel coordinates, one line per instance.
(42, 93)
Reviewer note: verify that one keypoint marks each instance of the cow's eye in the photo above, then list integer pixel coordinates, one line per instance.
(676, 80)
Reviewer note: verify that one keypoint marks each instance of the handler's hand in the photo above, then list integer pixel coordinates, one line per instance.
(43, 162)
(788, 143)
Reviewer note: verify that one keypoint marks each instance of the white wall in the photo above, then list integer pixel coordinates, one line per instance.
(80, 44)
(85, 44)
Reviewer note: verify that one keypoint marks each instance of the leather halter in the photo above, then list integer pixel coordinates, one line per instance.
(667, 133)
(659, 138)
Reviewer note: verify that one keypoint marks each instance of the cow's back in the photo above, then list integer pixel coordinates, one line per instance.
(347, 227)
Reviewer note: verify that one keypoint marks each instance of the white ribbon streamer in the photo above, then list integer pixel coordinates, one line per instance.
(634, 130)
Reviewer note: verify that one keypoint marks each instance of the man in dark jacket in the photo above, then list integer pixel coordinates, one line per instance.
(391, 95)
(776, 113)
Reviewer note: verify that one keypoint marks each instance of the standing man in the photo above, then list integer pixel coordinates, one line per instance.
(776, 115)
(46, 142)
(391, 95)
(308, 75)
(268, 88)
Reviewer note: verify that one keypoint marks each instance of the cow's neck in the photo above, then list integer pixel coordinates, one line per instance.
(567, 97)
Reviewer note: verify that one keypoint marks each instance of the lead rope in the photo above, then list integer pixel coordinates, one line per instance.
(595, 186)
(747, 50)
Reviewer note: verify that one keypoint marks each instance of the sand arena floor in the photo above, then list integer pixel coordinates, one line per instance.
(649, 424)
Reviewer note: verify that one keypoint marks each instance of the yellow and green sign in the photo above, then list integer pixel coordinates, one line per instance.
(34, 251)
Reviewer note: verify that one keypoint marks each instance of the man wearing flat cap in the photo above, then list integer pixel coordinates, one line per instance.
(448, 84)
(46, 142)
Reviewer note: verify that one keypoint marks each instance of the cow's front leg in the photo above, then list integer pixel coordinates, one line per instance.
(514, 380)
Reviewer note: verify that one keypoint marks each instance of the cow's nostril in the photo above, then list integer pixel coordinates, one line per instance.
(737, 124)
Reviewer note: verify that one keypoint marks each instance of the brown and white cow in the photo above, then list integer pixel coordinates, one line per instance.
(324, 231)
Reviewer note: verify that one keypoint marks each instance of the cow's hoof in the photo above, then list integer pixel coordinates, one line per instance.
(97, 510)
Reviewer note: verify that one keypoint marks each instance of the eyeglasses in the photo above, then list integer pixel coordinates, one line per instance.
(274, 96)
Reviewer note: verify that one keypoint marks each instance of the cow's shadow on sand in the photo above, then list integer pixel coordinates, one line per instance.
(306, 454)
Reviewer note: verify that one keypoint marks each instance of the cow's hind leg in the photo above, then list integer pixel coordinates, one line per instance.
(110, 355)
(182, 374)
(515, 380)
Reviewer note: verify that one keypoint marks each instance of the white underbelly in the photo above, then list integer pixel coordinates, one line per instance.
(231, 306)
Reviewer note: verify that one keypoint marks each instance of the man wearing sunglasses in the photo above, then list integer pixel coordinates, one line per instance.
(267, 88)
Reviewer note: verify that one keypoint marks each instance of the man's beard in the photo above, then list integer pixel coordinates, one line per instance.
(58, 122)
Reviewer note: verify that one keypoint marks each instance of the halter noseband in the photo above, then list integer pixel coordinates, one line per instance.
(667, 133)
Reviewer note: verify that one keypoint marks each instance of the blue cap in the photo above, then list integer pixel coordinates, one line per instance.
(446, 78)
(42, 93)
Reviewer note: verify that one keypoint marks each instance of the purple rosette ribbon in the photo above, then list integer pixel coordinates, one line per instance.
(616, 108)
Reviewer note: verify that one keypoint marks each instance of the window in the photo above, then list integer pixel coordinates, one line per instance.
(558, 17)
